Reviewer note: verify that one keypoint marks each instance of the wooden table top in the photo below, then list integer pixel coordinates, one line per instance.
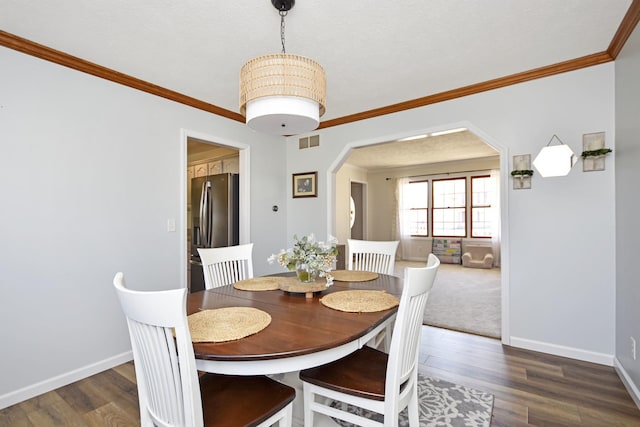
(299, 326)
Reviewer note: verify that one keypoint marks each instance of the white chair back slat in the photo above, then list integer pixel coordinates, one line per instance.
(369, 255)
(378, 257)
(156, 346)
(402, 368)
(168, 387)
(401, 377)
(227, 265)
(411, 350)
(231, 271)
(168, 383)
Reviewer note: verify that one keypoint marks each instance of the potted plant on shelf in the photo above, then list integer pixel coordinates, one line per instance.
(521, 173)
(596, 153)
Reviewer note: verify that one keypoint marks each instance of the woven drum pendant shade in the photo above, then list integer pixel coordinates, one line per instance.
(282, 94)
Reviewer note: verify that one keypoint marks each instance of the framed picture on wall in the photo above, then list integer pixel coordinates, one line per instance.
(305, 184)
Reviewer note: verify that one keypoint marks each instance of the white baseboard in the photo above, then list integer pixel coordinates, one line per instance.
(37, 389)
(560, 350)
(627, 381)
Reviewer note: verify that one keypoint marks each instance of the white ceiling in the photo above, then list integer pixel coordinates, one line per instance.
(434, 149)
(374, 53)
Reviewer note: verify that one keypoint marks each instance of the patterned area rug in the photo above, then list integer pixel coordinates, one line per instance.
(442, 404)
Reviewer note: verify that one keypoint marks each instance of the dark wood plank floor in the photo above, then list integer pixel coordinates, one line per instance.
(530, 389)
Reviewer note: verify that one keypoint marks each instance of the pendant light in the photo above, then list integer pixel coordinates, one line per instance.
(282, 93)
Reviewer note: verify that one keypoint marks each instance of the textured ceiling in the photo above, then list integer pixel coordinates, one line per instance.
(374, 53)
(434, 149)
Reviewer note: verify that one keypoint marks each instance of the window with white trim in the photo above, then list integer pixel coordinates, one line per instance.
(415, 200)
(481, 213)
(449, 207)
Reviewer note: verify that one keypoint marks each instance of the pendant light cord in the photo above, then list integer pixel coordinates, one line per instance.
(283, 13)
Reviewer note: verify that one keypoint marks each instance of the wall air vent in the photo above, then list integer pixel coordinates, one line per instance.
(309, 141)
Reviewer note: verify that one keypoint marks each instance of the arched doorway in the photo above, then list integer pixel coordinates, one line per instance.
(335, 180)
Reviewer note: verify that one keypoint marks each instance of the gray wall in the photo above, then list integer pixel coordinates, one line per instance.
(627, 157)
(90, 172)
(558, 301)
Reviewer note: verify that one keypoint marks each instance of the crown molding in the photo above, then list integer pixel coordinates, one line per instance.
(628, 24)
(43, 52)
(550, 70)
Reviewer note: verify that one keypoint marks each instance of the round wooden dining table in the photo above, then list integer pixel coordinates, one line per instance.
(303, 332)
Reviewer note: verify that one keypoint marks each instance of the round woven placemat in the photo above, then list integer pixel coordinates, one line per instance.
(353, 275)
(259, 284)
(292, 284)
(360, 301)
(226, 324)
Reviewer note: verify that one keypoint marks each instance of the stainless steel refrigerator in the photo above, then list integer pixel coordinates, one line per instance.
(215, 218)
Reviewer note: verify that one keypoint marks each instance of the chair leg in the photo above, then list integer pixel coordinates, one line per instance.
(282, 418)
(412, 409)
(287, 419)
(308, 397)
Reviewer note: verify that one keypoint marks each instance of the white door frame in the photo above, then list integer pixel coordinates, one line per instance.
(244, 152)
(504, 194)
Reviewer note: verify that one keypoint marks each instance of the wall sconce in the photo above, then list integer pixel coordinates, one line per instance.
(555, 160)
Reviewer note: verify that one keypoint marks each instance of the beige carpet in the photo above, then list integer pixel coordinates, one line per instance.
(463, 299)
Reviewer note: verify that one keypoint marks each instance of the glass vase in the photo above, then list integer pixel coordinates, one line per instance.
(306, 274)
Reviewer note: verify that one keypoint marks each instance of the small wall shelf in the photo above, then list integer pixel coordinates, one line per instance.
(593, 152)
(522, 172)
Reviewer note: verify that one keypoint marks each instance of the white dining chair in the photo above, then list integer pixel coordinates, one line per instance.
(379, 257)
(370, 255)
(371, 379)
(226, 265)
(170, 391)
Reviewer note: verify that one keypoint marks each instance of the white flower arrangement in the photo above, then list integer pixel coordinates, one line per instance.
(316, 258)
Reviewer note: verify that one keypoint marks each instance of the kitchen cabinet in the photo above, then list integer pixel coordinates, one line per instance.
(214, 168)
(231, 165)
(201, 169)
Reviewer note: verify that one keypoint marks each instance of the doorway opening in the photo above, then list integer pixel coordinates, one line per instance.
(461, 153)
(216, 199)
(357, 211)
